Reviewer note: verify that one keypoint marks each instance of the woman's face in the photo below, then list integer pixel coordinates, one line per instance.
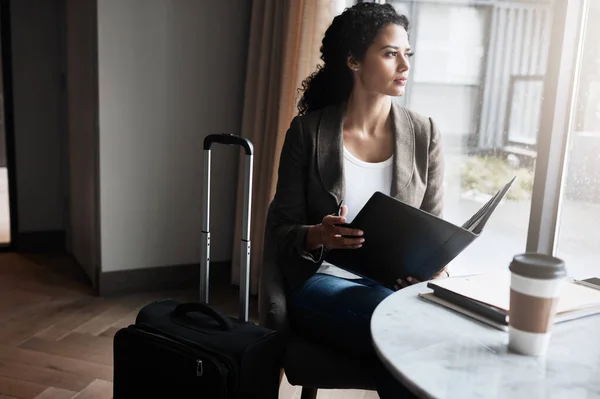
(385, 66)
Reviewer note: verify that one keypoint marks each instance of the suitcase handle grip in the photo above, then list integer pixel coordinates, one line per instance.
(228, 139)
(222, 319)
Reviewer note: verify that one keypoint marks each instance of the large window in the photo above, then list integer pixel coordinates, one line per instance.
(578, 240)
(484, 71)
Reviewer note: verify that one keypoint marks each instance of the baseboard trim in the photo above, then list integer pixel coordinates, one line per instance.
(125, 282)
(41, 241)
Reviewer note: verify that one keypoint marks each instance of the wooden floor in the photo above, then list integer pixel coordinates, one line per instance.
(56, 336)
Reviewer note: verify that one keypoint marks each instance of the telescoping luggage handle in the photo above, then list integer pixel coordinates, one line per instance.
(228, 139)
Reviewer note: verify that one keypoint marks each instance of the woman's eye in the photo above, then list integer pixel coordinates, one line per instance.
(392, 54)
(408, 55)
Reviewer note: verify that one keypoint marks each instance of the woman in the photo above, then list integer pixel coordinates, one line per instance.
(349, 140)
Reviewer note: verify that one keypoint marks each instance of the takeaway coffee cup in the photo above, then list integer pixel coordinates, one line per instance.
(536, 282)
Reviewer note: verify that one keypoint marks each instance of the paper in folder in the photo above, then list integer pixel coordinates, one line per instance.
(402, 241)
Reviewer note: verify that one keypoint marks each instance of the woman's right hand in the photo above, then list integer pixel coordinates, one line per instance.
(331, 233)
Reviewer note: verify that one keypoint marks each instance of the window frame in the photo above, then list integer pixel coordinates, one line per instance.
(557, 120)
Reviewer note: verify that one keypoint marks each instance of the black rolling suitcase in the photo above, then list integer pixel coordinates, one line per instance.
(191, 349)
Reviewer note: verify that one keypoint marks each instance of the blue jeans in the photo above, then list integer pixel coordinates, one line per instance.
(338, 311)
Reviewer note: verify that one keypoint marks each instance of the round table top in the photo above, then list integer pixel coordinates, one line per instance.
(439, 353)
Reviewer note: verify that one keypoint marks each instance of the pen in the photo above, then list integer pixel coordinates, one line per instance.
(339, 211)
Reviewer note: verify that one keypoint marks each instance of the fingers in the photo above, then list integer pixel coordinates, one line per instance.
(344, 211)
(403, 283)
(346, 231)
(351, 242)
(340, 237)
(346, 243)
(331, 220)
(337, 242)
(442, 274)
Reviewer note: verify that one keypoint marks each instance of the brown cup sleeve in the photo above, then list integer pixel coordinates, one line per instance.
(530, 313)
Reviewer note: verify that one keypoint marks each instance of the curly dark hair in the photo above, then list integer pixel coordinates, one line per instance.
(350, 34)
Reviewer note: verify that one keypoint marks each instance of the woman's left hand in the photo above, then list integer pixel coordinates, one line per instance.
(403, 283)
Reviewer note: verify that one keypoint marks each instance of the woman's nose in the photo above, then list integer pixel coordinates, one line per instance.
(403, 64)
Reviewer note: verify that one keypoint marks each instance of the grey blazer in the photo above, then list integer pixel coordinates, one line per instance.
(310, 181)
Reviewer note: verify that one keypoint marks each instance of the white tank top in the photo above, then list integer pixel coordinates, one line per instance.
(361, 179)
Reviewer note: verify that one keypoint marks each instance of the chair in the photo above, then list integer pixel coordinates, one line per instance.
(306, 364)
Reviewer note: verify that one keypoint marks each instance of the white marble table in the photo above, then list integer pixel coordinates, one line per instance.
(439, 353)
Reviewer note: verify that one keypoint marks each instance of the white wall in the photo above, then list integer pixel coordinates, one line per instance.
(38, 113)
(170, 72)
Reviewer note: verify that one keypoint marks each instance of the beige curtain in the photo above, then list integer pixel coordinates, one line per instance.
(285, 38)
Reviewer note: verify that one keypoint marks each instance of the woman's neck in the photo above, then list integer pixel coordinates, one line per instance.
(367, 113)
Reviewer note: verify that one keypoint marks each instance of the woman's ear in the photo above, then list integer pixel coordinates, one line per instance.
(352, 63)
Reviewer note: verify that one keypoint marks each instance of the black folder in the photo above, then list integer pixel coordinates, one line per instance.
(402, 240)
